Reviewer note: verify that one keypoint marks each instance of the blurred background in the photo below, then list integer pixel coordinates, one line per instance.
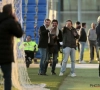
(76, 10)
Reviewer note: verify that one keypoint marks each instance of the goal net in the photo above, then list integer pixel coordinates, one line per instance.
(20, 78)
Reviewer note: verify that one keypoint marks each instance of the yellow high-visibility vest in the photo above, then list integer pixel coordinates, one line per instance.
(30, 46)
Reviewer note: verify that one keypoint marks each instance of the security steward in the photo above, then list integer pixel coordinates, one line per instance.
(30, 47)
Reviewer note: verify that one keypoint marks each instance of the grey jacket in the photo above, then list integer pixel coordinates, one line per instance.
(92, 34)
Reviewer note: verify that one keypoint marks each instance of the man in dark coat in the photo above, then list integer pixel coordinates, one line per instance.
(98, 37)
(98, 31)
(43, 44)
(9, 27)
(69, 45)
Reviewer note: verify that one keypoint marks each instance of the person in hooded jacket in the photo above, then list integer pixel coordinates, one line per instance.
(9, 28)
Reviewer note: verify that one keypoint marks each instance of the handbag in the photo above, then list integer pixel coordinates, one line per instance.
(51, 40)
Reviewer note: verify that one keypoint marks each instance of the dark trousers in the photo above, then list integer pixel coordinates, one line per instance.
(7, 71)
(93, 45)
(55, 55)
(48, 55)
(29, 55)
(78, 46)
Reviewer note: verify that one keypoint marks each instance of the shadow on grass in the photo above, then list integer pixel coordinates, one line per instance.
(52, 81)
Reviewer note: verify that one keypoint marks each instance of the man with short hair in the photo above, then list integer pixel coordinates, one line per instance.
(54, 47)
(69, 45)
(82, 42)
(9, 28)
(43, 44)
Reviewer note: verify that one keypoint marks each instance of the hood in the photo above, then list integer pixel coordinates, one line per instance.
(3, 17)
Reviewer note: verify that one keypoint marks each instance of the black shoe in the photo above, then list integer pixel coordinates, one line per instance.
(53, 73)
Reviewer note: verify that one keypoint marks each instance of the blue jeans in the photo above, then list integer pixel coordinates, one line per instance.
(68, 52)
(82, 46)
(43, 52)
(7, 70)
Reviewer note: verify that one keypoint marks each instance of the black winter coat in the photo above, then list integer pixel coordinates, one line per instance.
(43, 40)
(8, 29)
(55, 48)
(83, 36)
(98, 34)
(69, 40)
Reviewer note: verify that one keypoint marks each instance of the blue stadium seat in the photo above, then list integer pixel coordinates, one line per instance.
(42, 9)
(23, 2)
(41, 17)
(42, 2)
(40, 23)
(29, 30)
(31, 9)
(23, 9)
(30, 17)
(31, 2)
(29, 25)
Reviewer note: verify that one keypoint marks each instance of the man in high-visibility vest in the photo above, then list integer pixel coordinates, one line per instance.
(29, 47)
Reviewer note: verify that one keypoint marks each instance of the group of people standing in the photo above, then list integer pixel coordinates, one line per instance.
(49, 45)
(71, 38)
(92, 39)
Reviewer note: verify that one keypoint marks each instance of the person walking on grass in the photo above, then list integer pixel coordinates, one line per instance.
(69, 45)
(82, 42)
(92, 40)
